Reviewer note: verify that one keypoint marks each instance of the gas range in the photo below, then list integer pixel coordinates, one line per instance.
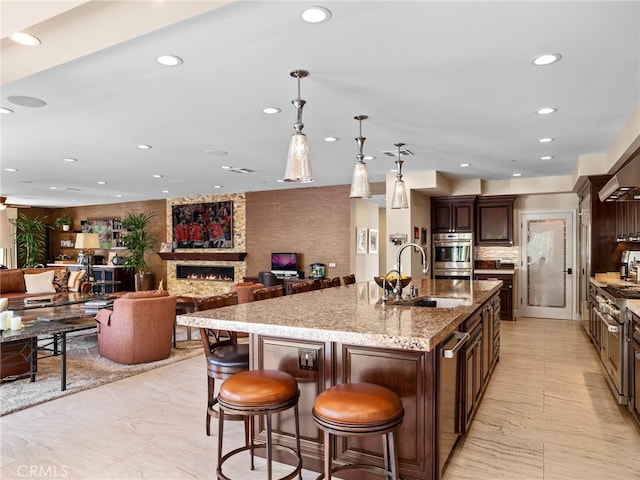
(631, 292)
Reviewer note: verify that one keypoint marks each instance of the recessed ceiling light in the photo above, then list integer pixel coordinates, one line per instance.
(217, 153)
(25, 39)
(517, 174)
(331, 139)
(546, 110)
(316, 15)
(11, 169)
(225, 167)
(546, 157)
(118, 195)
(217, 186)
(5, 110)
(169, 60)
(157, 175)
(271, 110)
(53, 188)
(143, 147)
(546, 59)
(546, 140)
(101, 182)
(69, 160)
(165, 191)
(369, 157)
(465, 165)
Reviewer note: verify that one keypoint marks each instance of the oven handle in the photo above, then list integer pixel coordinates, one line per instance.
(610, 328)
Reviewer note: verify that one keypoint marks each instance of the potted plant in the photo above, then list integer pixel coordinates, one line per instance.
(138, 241)
(30, 239)
(63, 221)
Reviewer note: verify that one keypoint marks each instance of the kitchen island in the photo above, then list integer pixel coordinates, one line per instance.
(345, 334)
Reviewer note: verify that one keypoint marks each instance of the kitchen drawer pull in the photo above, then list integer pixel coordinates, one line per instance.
(611, 328)
(462, 339)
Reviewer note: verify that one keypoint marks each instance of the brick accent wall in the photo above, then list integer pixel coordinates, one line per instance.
(311, 221)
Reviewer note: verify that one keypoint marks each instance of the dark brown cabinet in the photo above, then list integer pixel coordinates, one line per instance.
(472, 377)
(506, 292)
(494, 220)
(627, 221)
(452, 214)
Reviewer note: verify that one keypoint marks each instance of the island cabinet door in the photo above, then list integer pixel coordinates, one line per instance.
(309, 364)
(411, 374)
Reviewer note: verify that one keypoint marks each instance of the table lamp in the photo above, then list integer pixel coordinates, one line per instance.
(88, 242)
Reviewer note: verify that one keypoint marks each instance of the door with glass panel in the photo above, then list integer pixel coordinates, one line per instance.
(547, 276)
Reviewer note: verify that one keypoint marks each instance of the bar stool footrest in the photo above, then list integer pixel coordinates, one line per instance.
(281, 448)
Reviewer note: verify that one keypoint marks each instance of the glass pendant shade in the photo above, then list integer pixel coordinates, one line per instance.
(399, 198)
(298, 168)
(360, 182)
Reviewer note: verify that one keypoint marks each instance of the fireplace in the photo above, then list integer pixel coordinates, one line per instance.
(209, 273)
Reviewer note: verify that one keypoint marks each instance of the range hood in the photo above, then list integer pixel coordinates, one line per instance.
(624, 185)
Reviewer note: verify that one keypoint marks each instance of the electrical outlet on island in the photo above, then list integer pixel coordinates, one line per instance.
(332, 264)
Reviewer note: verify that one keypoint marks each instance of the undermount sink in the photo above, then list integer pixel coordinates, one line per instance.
(439, 302)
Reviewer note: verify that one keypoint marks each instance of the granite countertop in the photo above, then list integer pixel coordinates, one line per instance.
(611, 281)
(634, 306)
(353, 314)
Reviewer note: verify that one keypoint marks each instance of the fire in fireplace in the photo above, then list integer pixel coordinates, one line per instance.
(198, 272)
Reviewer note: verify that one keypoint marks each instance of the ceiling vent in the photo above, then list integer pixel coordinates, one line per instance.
(394, 153)
(238, 169)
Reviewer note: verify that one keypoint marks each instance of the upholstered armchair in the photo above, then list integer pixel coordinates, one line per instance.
(139, 328)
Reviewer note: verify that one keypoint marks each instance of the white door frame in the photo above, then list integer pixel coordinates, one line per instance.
(572, 311)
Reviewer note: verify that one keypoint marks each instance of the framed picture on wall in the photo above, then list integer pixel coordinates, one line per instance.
(203, 225)
(373, 240)
(361, 240)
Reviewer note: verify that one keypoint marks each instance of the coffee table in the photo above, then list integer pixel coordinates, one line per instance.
(50, 325)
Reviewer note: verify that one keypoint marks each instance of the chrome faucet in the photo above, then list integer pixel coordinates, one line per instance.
(397, 289)
(425, 265)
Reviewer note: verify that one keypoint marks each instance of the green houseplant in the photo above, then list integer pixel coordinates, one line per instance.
(138, 241)
(63, 221)
(30, 239)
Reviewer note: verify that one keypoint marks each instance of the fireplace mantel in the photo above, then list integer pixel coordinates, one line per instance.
(206, 256)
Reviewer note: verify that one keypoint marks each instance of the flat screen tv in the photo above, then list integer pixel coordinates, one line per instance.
(284, 263)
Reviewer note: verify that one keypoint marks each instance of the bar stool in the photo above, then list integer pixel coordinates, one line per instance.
(259, 392)
(359, 409)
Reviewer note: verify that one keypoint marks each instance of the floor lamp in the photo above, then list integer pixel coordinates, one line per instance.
(88, 242)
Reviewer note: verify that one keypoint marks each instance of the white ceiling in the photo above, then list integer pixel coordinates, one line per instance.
(452, 80)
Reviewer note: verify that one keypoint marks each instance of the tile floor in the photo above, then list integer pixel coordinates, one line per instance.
(547, 414)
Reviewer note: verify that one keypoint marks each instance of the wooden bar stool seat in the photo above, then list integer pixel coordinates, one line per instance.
(259, 392)
(359, 409)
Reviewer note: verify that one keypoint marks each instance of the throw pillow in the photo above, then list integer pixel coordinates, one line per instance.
(146, 294)
(60, 278)
(75, 278)
(39, 282)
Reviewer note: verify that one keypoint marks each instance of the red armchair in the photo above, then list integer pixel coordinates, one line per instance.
(139, 328)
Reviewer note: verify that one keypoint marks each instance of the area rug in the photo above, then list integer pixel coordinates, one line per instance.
(85, 369)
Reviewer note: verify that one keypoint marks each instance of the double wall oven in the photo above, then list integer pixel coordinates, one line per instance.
(452, 255)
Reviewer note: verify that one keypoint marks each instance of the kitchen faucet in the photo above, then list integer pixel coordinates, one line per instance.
(397, 289)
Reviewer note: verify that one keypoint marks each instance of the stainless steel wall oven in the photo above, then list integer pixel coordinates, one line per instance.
(452, 255)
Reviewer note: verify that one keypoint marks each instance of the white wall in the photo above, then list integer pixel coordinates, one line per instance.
(364, 214)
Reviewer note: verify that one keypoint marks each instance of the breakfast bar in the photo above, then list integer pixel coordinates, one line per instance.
(346, 334)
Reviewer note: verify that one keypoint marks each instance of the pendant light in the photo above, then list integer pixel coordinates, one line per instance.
(399, 198)
(360, 181)
(298, 167)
